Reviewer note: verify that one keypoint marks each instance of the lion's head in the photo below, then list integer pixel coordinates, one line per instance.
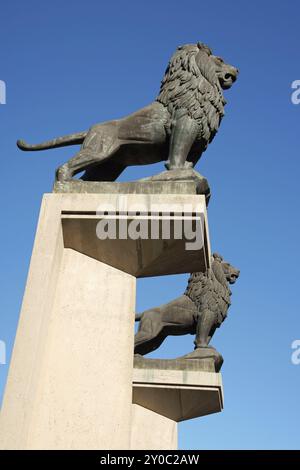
(216, 279)
(194, 80)
(227, 74)
(230, 272)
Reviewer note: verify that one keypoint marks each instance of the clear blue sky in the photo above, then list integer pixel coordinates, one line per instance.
(70, 64)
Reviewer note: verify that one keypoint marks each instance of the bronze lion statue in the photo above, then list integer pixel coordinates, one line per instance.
(200, 310)
(176, 127)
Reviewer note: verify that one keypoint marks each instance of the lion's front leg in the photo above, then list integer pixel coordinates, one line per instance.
(206, 325)
(183, 135)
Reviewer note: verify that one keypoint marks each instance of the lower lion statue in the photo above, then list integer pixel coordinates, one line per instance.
(200, 310)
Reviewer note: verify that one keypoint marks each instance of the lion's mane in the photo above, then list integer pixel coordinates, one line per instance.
(194, 86)
(210, 290)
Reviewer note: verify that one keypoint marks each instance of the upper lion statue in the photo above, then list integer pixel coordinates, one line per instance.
(177, 127)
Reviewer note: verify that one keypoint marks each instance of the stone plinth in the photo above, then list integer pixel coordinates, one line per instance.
(186, 181)
(70, 378)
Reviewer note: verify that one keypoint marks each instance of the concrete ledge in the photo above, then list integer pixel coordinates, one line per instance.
(141, 257)
(178, 394)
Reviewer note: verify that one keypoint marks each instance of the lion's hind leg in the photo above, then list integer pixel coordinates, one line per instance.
(82, 160)
(100, 144)
(171, 319)
(150, 334)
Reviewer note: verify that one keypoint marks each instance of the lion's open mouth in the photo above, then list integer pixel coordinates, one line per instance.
(227, 81)
(228, 78)
(233, 278)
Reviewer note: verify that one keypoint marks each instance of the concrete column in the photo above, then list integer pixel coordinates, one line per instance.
(70, 379)
(150, 430)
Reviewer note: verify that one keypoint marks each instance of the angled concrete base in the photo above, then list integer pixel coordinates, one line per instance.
(166, 392)
(70, 377)
(178, 394)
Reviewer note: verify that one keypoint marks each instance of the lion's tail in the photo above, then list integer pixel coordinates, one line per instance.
(71, 139)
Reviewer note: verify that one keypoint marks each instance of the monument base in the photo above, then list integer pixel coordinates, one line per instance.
(71, 383)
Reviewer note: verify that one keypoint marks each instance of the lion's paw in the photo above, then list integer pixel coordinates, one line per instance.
(170, 166)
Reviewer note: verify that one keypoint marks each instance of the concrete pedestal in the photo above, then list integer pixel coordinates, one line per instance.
(71, 373)
(178, 394)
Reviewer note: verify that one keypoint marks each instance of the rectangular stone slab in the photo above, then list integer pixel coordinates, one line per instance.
(136, 187)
